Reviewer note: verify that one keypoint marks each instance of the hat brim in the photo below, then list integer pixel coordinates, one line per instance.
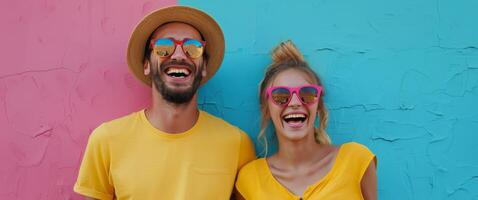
(204, 23)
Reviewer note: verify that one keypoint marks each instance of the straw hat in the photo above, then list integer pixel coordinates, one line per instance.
(204, 23)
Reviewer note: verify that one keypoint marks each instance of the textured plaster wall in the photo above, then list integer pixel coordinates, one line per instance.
(400, 76)
(63, 72)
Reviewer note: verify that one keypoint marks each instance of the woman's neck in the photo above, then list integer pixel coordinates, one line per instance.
(299, 153)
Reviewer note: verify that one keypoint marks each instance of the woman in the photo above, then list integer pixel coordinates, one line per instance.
(306, 165)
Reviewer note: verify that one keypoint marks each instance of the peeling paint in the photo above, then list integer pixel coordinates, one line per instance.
(44, 130)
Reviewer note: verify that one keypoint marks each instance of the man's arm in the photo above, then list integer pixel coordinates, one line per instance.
(94, 180)
(247, 151)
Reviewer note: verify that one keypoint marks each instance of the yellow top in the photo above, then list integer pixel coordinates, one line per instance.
(255, 180)
(128, 158)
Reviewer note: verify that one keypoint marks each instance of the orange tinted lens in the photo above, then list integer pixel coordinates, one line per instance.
(280, 95)
(164, 47)
(193, 48)
(308, 94)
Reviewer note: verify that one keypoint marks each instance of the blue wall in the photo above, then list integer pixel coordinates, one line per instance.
(400, 76)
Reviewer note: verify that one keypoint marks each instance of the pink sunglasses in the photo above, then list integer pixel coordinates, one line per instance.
(281, 95)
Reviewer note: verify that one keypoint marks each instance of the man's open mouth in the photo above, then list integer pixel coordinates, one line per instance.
(176, 72)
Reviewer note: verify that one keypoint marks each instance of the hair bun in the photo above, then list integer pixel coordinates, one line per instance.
(287, 51)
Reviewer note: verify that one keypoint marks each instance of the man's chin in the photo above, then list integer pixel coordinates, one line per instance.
(170, 80)
(175, 90)
(178, 87)
(176, 94)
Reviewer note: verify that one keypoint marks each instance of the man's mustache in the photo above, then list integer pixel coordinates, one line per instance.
(166, 64)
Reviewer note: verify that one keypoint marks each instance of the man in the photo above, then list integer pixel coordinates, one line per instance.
(171, 150)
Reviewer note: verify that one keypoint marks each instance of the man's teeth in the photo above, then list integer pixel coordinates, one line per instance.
(289, 116)
(177, 71)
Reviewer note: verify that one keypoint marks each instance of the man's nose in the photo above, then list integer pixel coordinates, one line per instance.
(178, 53)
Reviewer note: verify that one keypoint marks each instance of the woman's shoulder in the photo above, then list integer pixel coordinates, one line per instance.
(249, 176)
(357, 155)
(355, 148)
(252, 168)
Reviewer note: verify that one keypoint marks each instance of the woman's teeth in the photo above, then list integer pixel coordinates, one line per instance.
(295, 117)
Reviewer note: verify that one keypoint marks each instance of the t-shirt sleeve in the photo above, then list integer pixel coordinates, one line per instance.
(247, 151)
(363, 158)
(94, 178)
(246, 181)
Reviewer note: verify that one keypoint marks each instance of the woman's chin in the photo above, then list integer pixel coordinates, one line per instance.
(294, 135)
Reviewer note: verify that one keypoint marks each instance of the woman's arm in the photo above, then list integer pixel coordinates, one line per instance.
(369, 182)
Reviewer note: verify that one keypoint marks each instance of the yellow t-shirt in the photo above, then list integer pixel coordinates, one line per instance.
(255, 180)
(128, 158)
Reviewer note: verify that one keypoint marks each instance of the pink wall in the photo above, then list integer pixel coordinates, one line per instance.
(63, 73)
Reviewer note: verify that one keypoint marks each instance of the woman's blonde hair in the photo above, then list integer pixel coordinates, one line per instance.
(286, 56)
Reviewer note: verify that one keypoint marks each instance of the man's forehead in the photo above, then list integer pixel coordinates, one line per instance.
(177, 30)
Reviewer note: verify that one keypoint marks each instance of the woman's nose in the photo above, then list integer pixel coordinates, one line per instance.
(295, 101)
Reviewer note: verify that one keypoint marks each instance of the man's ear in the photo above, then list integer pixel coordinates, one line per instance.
(146, 67)
(204, 69)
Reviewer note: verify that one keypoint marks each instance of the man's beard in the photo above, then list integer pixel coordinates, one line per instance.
(170, 94)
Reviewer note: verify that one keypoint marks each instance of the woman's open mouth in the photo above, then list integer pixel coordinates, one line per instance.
(295, 120)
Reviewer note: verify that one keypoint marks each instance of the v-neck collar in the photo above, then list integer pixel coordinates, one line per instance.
(310, 187)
